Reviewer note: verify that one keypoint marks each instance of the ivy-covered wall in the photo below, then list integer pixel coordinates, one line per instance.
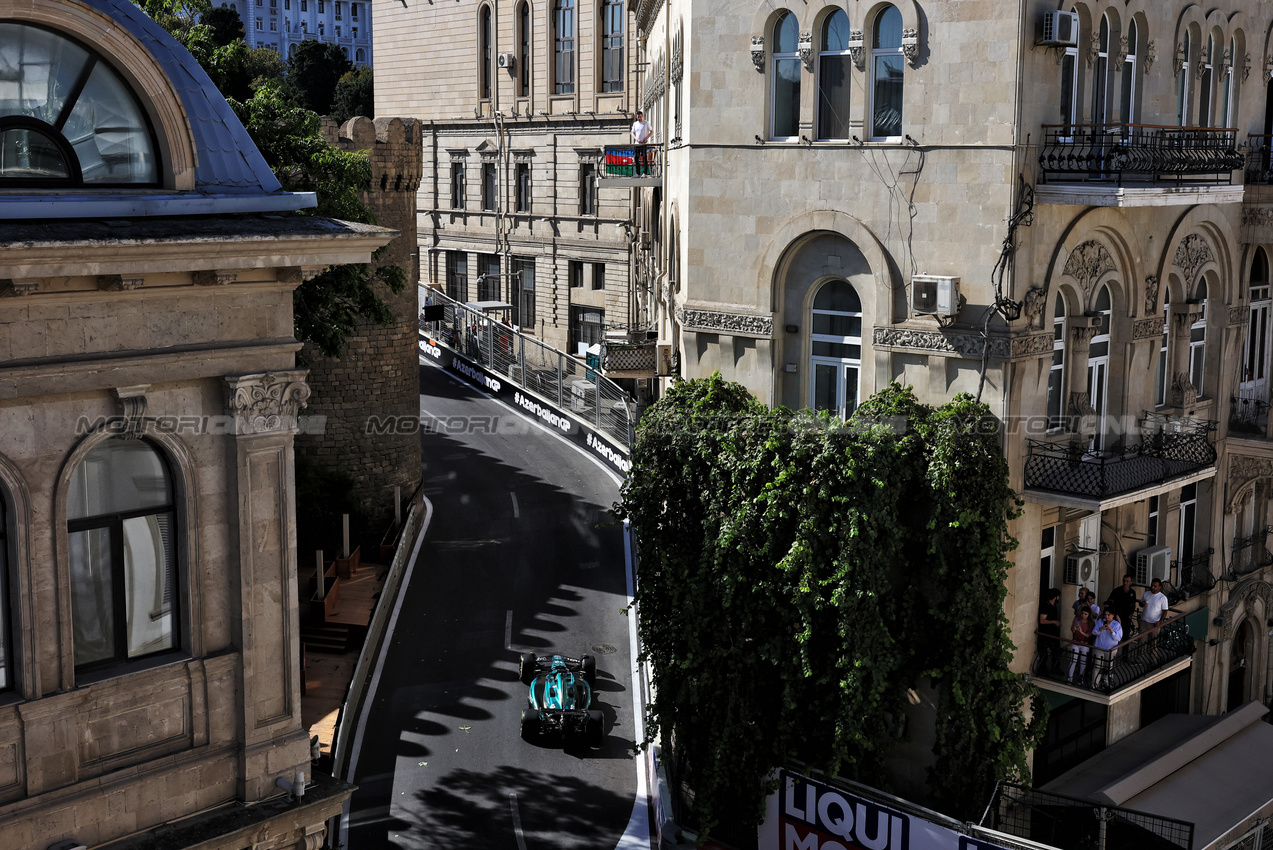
(798, 575)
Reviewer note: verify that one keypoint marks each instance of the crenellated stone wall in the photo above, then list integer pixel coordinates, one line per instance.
(376, 379)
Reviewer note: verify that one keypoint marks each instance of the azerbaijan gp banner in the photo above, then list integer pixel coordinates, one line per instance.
(805, 814)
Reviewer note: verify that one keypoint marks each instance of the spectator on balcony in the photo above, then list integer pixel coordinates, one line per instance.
(1123, 601)
(1087, 599)
(1155, 607)
(642, 133)
(1081, 635)
(1107, 635)
(1050, 632)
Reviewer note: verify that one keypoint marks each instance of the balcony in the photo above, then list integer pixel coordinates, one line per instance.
(1194, 577)
(621, 168)
(1248, 416)
(1259, 169)
(1126, 165)
(1251, 553)
(1135, 663)
(629, 360)
(1171, 453)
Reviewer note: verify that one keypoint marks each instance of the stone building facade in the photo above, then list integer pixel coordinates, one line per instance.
(280, 25)
(841, 184)
(149, 640)
(517, 105)
(376, 378)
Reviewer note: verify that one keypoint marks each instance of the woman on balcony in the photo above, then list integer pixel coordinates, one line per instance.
(1081, 635)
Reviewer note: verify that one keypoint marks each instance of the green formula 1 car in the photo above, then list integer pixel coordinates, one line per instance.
(561, 703)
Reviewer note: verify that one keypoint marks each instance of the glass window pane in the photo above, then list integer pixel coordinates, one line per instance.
(836, 349)
(786, 98)
(1068, 69)
(148, 583)
(37, 70)
(824, 387)
(92, 596)
(109, 133)
(833, 97)
(118, 476)
(786, 34)
(888, 29)
(835, 33)
(832, 325)
(850, 389)
(31, 154)
(838, 296)
(886, 103)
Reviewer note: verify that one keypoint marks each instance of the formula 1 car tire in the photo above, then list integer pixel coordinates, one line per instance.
(588, 665)
(526, 668)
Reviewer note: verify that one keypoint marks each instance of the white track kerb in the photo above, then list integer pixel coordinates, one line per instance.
(636, 836)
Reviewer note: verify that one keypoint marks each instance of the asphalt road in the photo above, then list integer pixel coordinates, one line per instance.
(521, 555)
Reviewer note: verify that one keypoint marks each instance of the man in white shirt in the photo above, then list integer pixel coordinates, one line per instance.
(1155, 609)
(642, 133)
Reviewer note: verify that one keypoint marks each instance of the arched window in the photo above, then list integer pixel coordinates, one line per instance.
(564, 46)
(484, 54)
(886, 75)
(1100, 75)
(1161, 394)
(121, 533)
(612, 18)
(1127, 103)
(1206, 85)
(1056, 375)
(66, 118)
(835, 356)
(1198, 339)
(523, 49)
(1182, 84)
(833, 78)
(1098, 363)
(1250, 409)
(359, 56)
(1226, 88)
(6, 627)
(785, 96)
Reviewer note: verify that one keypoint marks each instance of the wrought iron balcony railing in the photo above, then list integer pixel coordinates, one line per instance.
(629, 357)
(1251, 553)
(1160, 456)
(633, 161)
(1139, 153)
(1248, 415)
(1259, 167)
(1108, 671)
(1194, 576)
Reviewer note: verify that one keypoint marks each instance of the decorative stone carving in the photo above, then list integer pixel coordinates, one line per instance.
(1242, 471)
(1246, 67)
(590, 155)
(13, 287)
(1241, 594)
(806, 50)
(1033, 306)
(758, 52)
(523, 155)
(1083, 328)
(1191, 255)
(267, 402)
(1257, 216)
(1148, 328)
(1093, 49)
(1200, 70)
(214, 278)
(1034, 345)
(1122, 52)
(1183, 392)
(1151, 294)
(1226, 62)
(118, 283)
(1087, 263)
(1239, 315)
(1082, 416)
(963, 344)
(729, 323)
(1185, 319)
(1178, 61)
(1150, 55)
(299, 274)
(132, 402)
(857, 49)
(910, 46)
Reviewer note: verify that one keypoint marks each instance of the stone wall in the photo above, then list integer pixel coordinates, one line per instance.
(376, 378)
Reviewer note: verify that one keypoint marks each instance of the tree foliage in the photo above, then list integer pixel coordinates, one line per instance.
(225, 23)
(798, 574)
(313, 71)
(355, 95)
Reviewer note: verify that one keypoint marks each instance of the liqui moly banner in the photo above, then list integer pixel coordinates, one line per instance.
(804, 814)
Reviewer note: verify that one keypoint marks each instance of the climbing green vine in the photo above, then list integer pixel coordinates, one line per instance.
(798, 574)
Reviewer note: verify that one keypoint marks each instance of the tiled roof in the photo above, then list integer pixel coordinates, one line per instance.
(228, 161)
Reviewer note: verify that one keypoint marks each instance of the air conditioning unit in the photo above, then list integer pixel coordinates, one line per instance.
(505, 60)
(1083, 569)
(1060, 29)
(934, 295)
(1153, 562)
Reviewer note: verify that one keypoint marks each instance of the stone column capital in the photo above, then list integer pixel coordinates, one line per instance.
(266, 402)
